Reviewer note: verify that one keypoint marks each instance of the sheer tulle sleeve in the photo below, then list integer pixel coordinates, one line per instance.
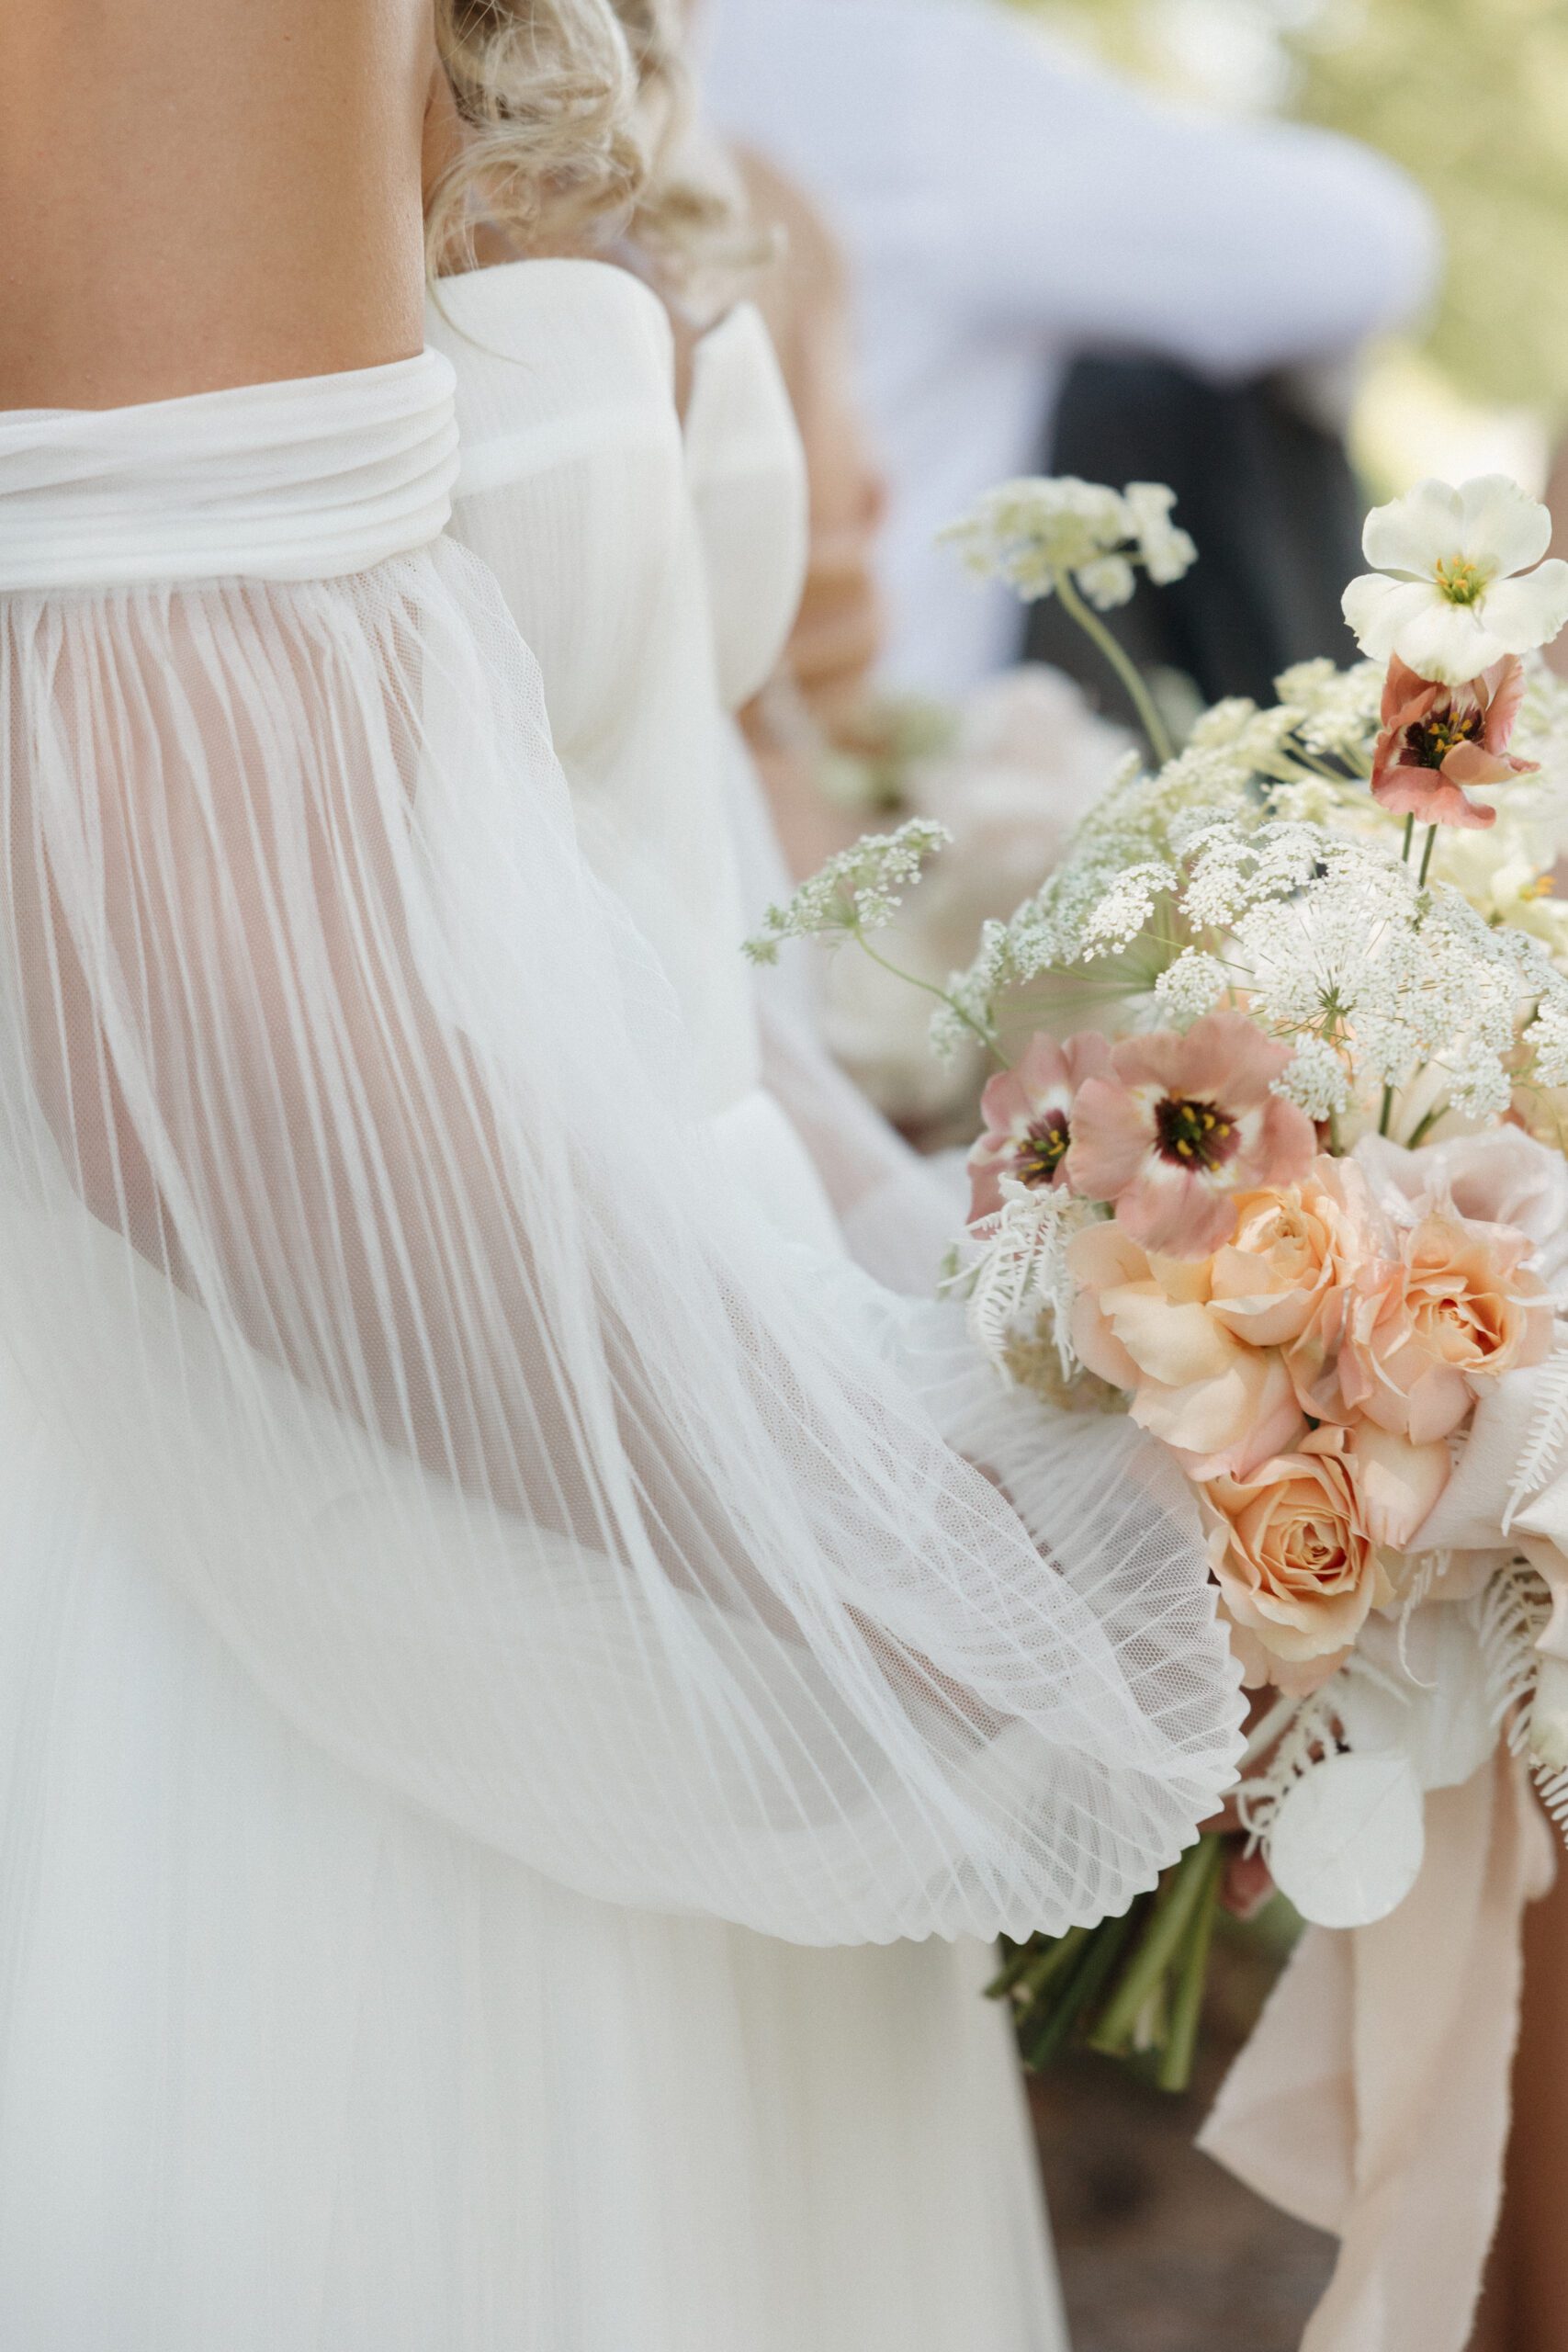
(357, 1211)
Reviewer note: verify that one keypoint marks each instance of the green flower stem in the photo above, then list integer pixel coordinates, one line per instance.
(1168, 1922)
(985, 1037)
(1032, 1965)
(1143, 703)
(1421, 882)
(1424, 1125)
(1175, 2069)
(1076, 1997)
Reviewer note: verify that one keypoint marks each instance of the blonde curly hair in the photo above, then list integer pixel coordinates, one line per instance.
(574, 114)
(683, 219)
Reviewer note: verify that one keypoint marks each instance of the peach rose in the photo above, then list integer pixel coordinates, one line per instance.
(1502, 1176)
(1148, 1324)
(1287, 1278)
(1455, 1312)
(1294, 1558)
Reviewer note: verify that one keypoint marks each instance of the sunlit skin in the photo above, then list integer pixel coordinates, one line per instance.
(201, 193)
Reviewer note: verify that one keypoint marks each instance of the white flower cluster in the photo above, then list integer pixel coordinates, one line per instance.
(1191, 986)
(1404, 979)
(1257, 867)
(1039, 532)
(1337, 711)
(859, 890)
(1549, 1035)
(1318, 1080)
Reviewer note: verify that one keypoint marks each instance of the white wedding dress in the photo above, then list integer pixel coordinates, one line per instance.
(484, 1587)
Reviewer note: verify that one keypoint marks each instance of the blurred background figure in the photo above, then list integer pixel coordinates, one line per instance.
(1008, 772)
(1008, 209)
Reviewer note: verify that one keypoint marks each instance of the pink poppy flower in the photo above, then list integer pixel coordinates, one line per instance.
(1028, 1114)
(1438, 740)
(1180, 1124)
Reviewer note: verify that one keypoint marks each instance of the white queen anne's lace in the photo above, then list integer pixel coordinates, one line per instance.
(1255, 868)
(859, 890)
(1039, 532)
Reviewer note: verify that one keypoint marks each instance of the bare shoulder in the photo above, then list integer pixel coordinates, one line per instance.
(195, 193)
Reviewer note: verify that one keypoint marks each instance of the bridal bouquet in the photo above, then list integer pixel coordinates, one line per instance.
(1273, 1161)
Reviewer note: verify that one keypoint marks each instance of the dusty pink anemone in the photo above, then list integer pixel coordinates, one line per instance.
(1178, 1125)
(1028, 1112)
(1437, 742)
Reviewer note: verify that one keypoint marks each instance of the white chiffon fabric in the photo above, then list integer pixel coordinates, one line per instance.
(886, 2177)
(896, 1211)
(439, 1491)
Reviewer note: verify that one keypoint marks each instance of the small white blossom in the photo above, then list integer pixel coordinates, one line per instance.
(1038, 533)
(1453, 590)
(1338, 711)
(1318, 1081)
(1222, 724)
(1191, 986)
(1126, 906)
(1546, 1038)
(859, 890)
(1034, 532)
(1108, 581)
(1168, 552)
(1479, 1084)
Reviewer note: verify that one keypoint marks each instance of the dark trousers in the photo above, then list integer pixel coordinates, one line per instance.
(1271, 498)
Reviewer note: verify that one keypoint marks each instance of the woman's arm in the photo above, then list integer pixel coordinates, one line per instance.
(200, 193)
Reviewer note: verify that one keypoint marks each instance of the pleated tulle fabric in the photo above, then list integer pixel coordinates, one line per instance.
(572, 493)
(358, 1213)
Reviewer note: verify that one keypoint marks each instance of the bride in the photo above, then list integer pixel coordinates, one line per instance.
(490, 1597)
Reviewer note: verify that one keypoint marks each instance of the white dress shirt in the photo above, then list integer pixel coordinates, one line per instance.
(1007, 207)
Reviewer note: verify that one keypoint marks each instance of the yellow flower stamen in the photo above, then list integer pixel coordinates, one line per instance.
(1459, 580)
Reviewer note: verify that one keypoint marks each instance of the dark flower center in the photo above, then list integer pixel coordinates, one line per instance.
(1436, 738)
(1043, 1148)
(1194, 1134)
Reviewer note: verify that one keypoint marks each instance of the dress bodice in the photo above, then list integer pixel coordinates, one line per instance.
(311, 479)
(746, 471)
(573, 491)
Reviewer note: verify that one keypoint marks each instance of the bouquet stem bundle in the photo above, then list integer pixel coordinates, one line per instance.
(1131, 1988)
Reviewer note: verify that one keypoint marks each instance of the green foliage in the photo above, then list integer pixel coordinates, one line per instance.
(1470, 97)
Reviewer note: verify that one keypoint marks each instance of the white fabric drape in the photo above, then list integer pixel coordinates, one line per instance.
(357, 1212)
